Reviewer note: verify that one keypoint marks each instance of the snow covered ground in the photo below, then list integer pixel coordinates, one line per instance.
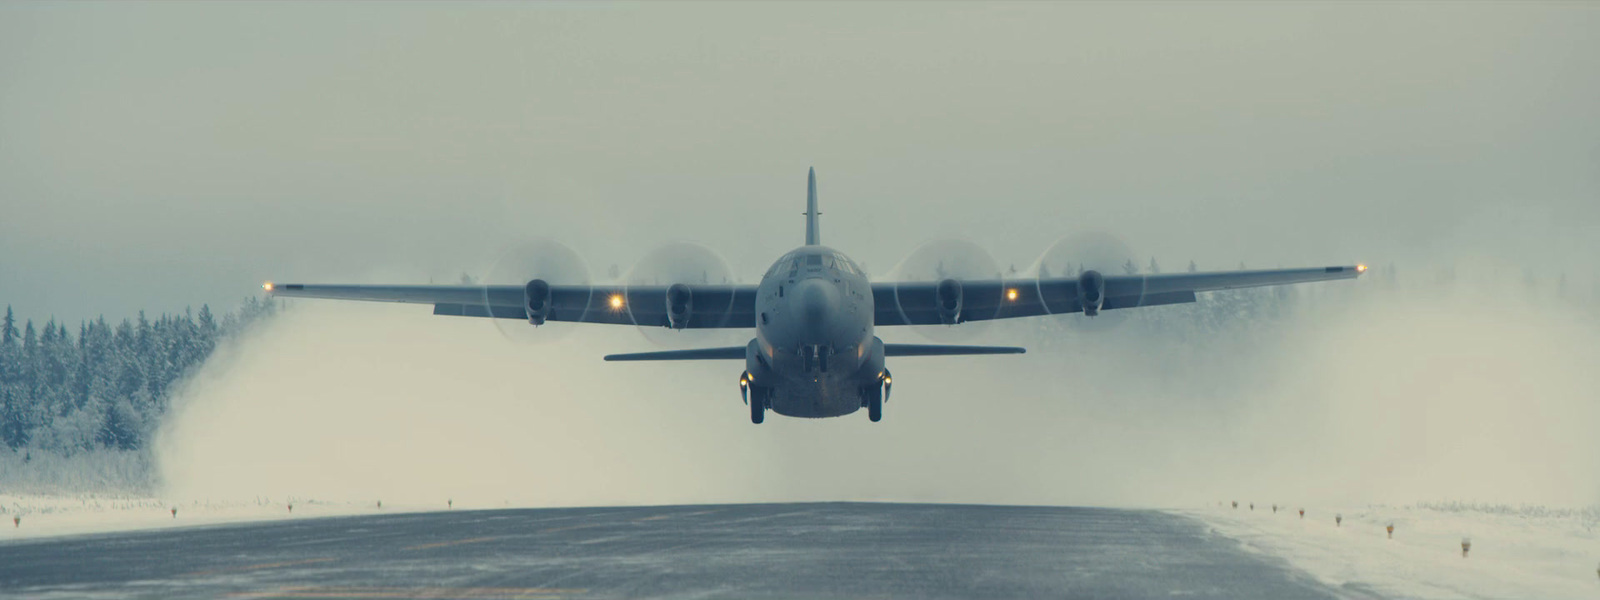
(55, 515)
(1517, 552)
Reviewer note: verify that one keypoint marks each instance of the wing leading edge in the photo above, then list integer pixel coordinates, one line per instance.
(738, 352)
(714, 306)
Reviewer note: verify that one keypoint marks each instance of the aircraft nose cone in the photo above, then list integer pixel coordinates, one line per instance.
(817, 300)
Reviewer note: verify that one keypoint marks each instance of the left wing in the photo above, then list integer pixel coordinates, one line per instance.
(957, 301)
(694, 306)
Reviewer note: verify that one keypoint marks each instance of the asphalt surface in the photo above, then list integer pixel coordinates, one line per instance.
(733, 551)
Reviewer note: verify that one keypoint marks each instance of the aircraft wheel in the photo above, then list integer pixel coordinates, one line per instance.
(758, 405)
(875, 404)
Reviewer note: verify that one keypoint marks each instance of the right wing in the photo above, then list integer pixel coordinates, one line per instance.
(918, 303)
(713, 306)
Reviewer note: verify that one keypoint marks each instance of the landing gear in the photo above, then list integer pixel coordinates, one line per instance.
(873, 397)
(758, 404)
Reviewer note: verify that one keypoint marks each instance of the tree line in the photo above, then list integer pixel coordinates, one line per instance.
(105, 386)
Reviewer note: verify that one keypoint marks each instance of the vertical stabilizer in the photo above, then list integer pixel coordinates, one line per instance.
(813, 232)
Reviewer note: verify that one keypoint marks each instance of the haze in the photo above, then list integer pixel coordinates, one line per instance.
(159, 156)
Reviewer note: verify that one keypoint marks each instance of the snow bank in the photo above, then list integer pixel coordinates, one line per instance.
(1521, 552)
(56, 515)
(80, 474)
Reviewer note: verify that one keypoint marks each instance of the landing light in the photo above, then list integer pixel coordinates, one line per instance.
(616, 301)
(1011, 294)
(1361, 268)
(267, 286)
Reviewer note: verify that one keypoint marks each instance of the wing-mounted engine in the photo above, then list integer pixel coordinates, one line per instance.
(1091, 291)
(951, 265)
(949, 298)
(680, 304)
(536, 299)
(688, 274)
(549, 281)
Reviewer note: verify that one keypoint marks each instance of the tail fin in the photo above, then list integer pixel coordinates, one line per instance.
(813, 232)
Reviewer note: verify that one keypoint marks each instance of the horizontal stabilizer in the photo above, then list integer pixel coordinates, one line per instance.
(946, 350)
(729, 353)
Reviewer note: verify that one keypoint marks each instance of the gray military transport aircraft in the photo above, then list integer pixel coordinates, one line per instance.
(814, 353)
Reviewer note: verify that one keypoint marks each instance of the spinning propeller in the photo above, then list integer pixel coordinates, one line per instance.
(541, 259)
(680, 267)
(947, 261)
(1089, 256)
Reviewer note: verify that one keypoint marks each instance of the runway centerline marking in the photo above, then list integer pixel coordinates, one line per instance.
(421, 593)
(451, 543)
(258, 567)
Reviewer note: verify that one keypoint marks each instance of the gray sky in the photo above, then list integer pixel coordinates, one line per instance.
(162, 155)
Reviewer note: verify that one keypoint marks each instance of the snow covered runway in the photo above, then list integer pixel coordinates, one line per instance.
(828, 550)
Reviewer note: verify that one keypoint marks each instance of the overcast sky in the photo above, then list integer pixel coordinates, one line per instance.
(159, 156)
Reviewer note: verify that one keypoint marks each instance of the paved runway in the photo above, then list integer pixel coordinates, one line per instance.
(732, 551)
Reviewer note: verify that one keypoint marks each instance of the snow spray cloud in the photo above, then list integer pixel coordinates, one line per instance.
(1362, 395)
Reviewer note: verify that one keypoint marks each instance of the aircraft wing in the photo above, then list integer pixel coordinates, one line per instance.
(738, 352)
(923, 303)
(710, 306)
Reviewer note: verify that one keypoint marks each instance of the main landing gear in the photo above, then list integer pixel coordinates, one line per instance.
(873, 397)
(755, 396)
(758, 404)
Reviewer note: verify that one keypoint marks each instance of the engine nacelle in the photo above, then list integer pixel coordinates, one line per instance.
(949, 297)
(680, 304)
(1091, 291)
(536, 299)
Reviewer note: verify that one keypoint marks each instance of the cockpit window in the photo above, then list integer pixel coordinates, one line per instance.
(844, 264)
(794, 262)
(789, 262)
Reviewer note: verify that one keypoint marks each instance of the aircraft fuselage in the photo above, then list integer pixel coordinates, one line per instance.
(814, 354)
